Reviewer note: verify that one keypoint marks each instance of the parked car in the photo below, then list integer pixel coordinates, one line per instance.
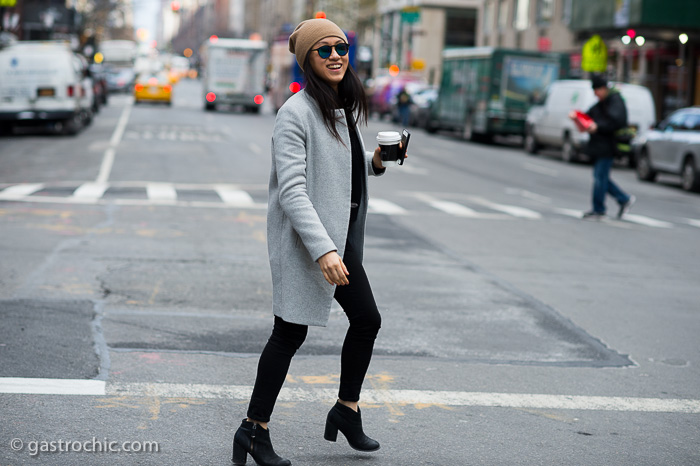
(44, 82)
(420, 108)
(120, 79)
(673, 146)
(548, 124)
(153, 87)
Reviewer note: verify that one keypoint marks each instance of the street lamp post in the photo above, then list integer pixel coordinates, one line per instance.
(683, 39)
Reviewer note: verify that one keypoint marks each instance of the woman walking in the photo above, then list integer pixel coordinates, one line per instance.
(315, 227)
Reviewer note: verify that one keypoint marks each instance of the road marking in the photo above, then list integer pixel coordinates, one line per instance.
(454, 208)
(161, 192)
(381, 206)
(233, 196)
(327, 395)
(52, 386)
(569, 212)
(647, 221)
(540, 169)
(693, 222)
(90, 190)
(515, 211)
(19, 191)
(108, 159)
(529, 195)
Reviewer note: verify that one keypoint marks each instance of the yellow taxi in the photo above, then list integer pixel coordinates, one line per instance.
(153, 87)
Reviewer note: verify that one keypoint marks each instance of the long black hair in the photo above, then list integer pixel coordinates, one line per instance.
(351, 96)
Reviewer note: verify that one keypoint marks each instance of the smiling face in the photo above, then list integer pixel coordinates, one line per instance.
(331, 69)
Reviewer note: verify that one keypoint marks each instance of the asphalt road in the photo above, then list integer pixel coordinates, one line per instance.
(135, 298)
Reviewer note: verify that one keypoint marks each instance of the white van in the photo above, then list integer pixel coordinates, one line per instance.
(548, 124)
(44, 82)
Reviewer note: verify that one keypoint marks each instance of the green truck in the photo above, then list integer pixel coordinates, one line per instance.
(487, 91)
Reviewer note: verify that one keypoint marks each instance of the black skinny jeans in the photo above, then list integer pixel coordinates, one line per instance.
(357, 301)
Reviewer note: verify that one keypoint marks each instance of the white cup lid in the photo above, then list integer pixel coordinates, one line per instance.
(388, 137)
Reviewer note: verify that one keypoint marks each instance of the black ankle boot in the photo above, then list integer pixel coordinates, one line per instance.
(349, 422)
(253, 439)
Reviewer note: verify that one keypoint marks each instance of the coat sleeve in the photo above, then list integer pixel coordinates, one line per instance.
(370, 166)
(289, 152)
(613, 116)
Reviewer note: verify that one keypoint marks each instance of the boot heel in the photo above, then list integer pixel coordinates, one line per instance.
(240, 456)
(331, 433)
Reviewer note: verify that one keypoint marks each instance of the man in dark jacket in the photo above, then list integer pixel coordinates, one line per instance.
(609, 115)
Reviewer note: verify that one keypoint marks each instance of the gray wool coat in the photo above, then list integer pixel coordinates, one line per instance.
(309, 208)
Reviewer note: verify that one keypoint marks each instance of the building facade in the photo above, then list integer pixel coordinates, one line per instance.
(412, 34)
(527, 24)
(652, 43)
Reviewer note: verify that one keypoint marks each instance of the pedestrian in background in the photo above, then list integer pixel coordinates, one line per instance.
(403, 101)
(315, 229)
(609, 114)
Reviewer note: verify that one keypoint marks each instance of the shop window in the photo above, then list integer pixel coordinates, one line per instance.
(545, 11)
(460, 27)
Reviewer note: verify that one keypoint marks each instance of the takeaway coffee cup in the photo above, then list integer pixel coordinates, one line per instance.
(389, 146)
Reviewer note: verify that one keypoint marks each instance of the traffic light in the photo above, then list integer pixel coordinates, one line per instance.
(320, 15)
(175, 6)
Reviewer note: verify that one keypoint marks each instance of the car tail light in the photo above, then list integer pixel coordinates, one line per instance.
(70, 91)
(211, 97)
(295, 87)
(138, 87)
(167, 88)
(259, 99)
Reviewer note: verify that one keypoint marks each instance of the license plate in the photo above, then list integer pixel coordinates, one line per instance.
(153, 90)
(46, 92)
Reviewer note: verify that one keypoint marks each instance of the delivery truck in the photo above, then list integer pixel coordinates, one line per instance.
(487, 91)
(234, 72)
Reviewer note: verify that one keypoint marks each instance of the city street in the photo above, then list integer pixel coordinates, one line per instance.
(135, 298)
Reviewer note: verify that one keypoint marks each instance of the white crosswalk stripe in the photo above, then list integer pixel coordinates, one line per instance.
(161, 192)
(233, 196)
(237, 196)
(20, 190)
(382, 206)
(90, 190)
(454, 208)
(515, 211)
(647, 221)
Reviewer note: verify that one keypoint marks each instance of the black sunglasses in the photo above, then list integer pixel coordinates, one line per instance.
(325, 50)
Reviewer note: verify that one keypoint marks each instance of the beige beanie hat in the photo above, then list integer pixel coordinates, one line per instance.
(308, 32)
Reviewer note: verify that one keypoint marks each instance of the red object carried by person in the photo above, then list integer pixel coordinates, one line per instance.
(582, 121)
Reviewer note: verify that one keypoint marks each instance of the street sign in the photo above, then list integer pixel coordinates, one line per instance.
(410, 14)
(8, 3)
(594, 57)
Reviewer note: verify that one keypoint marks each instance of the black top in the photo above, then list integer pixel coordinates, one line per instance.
(610, 114)
(358, 160)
